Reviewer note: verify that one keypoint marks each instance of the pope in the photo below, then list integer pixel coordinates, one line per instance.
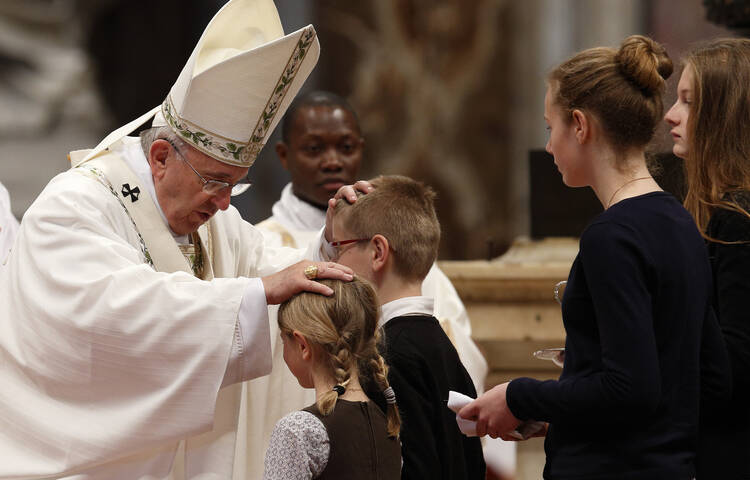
(135, 298)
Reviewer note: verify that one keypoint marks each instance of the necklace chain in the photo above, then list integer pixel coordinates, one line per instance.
(609, 204)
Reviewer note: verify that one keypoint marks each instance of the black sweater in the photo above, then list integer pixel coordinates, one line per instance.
(423, 367)
(635, 308)
(724, 450)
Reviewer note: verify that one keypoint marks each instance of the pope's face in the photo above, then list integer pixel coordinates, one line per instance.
(323, 154)
(180, 190)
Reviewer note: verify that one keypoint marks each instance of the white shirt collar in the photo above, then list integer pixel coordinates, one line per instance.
(297, 214)
(130, 150)
(406, 306)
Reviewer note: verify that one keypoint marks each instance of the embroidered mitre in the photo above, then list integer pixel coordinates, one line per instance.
(236, 85)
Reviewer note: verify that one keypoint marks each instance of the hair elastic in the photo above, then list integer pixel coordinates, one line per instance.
(390, 396)
(340, 389)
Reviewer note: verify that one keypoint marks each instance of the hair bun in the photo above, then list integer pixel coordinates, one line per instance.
(644, 62)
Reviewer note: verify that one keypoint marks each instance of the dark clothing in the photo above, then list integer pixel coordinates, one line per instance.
(423, 367)
(360, 446)
(635, 308)
(724, 448)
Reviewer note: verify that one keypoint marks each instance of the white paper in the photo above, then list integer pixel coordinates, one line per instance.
(457, 401)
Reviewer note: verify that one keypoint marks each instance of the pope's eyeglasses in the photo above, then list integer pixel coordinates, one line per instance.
(214, 187)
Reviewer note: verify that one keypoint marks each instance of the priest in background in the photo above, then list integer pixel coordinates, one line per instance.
(134, 301)
(322, 148)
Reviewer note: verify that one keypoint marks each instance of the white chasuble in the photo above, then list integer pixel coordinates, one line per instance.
(112, 354)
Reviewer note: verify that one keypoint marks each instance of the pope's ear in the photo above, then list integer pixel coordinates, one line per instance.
(157, 157)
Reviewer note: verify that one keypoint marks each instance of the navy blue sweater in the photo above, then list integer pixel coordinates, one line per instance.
(636, 310)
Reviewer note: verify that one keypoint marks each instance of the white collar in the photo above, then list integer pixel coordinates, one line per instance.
(296, 214)
(130, 150)
(406, 306)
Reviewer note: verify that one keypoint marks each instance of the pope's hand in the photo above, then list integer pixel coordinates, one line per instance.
(491, 413)
(348, 192)
(280, 286)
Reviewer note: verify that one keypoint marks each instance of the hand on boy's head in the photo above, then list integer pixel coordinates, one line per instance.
(348, 192)
(301, 276)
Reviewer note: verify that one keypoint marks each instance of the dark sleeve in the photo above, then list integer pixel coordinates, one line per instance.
(731, 265)
(413, 397)
(716, 378)
(628, 384)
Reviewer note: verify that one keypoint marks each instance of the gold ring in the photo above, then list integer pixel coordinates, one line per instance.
(311, 272)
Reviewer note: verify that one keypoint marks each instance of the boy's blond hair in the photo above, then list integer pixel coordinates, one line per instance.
(403, 211)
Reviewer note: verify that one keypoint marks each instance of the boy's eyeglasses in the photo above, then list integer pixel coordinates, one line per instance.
(215, 187)
(340, 243)
(337, 244)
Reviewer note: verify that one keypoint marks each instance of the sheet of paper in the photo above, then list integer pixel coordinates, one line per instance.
(457, 401)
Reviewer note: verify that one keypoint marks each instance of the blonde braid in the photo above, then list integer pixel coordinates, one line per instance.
(377, 367)
(340, 359)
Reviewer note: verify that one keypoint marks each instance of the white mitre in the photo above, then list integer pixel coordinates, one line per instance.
(236, 85)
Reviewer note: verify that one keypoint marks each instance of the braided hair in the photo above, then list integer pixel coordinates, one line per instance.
(372, 365)
(343, 331)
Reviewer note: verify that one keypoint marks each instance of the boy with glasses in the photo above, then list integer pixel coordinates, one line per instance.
(390, 236)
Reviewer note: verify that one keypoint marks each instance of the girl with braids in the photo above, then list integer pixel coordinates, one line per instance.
(331, 345)
(709, 126)
(637, 304)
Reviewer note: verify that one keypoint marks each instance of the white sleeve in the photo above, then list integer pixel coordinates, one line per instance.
(448, 305)
(263, 256)
(250, 356)
(325, 251)
(298, 449)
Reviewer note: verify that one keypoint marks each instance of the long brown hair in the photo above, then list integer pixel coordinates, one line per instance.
(718, 157)
(343, 331)
(621, 87)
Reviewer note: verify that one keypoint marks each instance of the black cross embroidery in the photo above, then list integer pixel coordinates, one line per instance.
(133, 193)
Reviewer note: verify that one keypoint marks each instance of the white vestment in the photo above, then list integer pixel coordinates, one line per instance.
(112, 353)
(8, 225)
(265, 400)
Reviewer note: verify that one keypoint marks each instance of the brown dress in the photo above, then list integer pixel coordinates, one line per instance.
(359, 444)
